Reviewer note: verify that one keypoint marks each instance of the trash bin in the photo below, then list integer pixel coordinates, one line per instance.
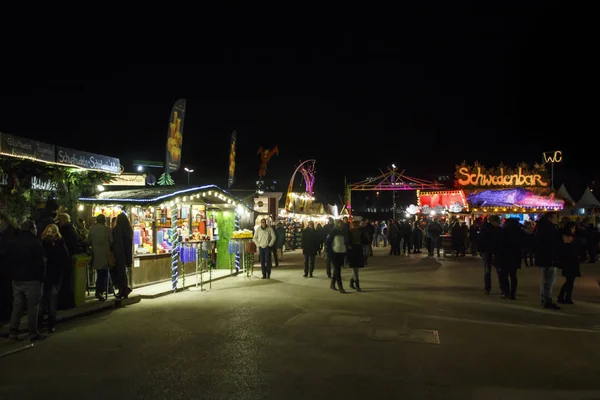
(80, 263)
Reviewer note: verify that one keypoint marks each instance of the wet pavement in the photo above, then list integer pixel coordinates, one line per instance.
(421, 329)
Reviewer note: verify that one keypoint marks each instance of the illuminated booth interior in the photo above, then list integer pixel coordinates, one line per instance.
(453, 201)
(202, 214)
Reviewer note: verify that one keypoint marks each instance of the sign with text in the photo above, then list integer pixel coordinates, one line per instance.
(20, 147)
(553, 156)
(127, 180)
(88, 160)
(175, 137)
(43, 185)
(231, 177)
(481, 177)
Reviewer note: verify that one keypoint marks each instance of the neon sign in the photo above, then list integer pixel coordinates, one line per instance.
(550, 157)
(481, 178)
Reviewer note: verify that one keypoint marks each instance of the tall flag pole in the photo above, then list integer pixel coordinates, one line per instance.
(174, 142)
(231, 178)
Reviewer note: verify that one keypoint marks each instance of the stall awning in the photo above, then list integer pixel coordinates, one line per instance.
(152, 196)
(517, 200)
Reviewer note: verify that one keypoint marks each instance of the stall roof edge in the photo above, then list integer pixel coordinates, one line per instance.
(153, 195)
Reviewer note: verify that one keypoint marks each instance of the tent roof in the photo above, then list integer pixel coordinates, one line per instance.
(564, 194)
(156, 195)
(587, 200)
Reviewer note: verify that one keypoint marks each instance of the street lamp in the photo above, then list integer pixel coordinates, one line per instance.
(189, 171)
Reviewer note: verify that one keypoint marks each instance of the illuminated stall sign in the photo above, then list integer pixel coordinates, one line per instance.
(16, 146)
(452, 200)
(480, 177)
(87, 160)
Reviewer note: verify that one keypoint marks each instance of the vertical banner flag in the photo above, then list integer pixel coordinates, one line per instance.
(175, 138)
(231, 178)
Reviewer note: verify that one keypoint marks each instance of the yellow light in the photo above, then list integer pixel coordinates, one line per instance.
(184, 198)
(203, 194)
(81, 207)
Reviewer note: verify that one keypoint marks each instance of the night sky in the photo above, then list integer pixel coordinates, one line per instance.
(431, 87)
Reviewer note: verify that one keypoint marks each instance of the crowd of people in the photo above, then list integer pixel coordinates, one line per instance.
(504, 245)
(36, 264)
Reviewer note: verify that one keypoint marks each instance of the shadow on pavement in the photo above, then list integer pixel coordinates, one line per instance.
(428, 262)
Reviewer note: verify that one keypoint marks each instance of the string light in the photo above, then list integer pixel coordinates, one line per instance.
(222, 195)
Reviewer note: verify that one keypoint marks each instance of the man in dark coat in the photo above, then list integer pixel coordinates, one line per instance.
(326, 232)
(546, 241)
(27, 260)
(7, 234)
(509, 251)
(279, 242)
(310, 247)
(488, 241)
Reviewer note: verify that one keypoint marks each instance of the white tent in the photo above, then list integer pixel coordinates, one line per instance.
(562, 193)
(587, 200)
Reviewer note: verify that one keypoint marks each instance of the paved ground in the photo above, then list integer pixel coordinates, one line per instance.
(420, 330)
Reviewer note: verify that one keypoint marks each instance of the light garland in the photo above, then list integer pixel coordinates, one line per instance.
(75, 168)
(175, 196)
(519, 210)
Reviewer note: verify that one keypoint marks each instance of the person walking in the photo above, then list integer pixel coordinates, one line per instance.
(568, 261)
(27, 259)
(279, 242)
(100, 239)
(123, 249)
(337, 246)
(7, 235)
(511, 242)
(57, 261)
(488, 241)
(326, 232)
(310, 247)
(356, 259)
(264, 237)
(546, 242)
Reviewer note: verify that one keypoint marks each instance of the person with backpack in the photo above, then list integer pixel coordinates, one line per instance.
(337, 245)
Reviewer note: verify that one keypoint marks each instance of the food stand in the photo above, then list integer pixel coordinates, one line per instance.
(163, 217)
(442, 203)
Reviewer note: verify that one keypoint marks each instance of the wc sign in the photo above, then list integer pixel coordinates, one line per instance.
(552, 157)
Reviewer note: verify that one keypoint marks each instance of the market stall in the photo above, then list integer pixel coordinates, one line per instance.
(163, 217)
(520, 192)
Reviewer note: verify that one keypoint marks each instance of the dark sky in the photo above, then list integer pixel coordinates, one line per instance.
(427, 88)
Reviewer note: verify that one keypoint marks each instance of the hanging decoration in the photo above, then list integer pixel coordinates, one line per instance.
(265, 157)
(237, 254)
(175, 243)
